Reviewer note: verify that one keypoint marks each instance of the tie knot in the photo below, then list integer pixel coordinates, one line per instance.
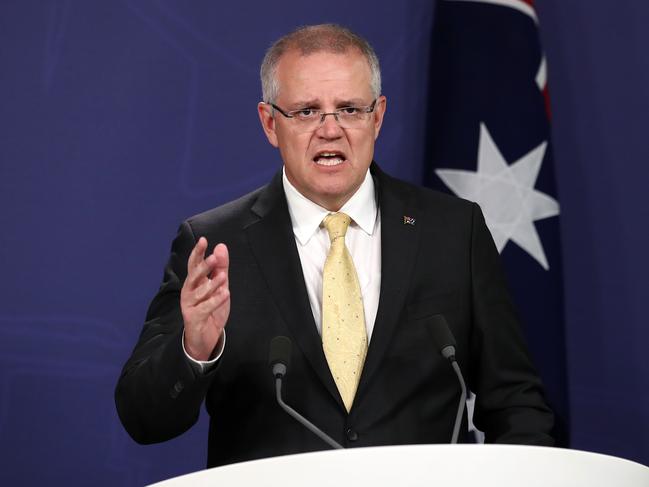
(336, 224)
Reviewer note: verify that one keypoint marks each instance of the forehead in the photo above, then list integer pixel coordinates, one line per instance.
(323, 75)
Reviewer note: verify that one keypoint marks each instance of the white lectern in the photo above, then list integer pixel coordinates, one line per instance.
(428, 465)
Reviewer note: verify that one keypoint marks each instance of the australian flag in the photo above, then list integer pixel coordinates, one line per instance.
(490, 143)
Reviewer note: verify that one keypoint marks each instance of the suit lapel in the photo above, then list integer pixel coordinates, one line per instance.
(273, 245)
(399, 243)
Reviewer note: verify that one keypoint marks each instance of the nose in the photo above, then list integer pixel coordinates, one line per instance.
(329, 127)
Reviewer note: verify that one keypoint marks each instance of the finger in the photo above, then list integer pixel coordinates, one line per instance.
(218, 299)
(222, 257)
(197, 254)
(201, 272)
(207, 289)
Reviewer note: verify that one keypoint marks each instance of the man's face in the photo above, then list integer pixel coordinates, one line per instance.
(324, 81)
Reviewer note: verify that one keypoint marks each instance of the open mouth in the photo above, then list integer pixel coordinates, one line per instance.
(329, 158)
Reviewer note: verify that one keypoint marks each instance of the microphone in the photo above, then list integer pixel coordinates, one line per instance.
(443, 338)
(279, 357)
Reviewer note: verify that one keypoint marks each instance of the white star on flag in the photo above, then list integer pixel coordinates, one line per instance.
(506, 194)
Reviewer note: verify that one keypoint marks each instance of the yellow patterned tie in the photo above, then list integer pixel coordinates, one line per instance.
(344, 338)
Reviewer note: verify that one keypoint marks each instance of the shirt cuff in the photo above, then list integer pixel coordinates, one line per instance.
(204, 366)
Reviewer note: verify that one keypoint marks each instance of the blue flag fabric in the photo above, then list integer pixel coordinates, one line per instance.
(489, 142)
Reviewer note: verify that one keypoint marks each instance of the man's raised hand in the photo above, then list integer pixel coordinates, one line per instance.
(205, 299)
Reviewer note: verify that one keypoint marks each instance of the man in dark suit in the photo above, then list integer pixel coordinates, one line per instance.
(396, 258)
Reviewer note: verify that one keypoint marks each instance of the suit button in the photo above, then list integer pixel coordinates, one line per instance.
(177, 388)
(352, 435)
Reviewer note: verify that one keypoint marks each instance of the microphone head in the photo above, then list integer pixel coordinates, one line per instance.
(442, 336)
(279, 351)
(448, 352)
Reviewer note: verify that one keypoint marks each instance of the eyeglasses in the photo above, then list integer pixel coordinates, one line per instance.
(309, 119)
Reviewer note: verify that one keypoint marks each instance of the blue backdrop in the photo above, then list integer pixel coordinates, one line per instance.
(120, 118)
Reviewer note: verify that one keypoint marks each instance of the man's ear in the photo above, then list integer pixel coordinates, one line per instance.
(267, 122)
(379, 112)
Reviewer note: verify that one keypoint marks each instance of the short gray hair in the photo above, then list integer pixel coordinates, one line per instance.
(316, 38)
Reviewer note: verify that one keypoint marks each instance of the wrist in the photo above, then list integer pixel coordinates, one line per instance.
(199, 352)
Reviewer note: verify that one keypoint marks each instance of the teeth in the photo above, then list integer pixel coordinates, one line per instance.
(328, 162)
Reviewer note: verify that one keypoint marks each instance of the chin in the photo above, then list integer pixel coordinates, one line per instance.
(335, 195)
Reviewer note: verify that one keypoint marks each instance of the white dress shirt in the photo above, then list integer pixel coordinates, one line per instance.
(363, 240)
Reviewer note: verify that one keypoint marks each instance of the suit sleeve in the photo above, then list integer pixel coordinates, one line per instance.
(510, 406)
(159, 394)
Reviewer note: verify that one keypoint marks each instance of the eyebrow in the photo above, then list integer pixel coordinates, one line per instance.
(316, 103)
(351, 102)
(304, 103)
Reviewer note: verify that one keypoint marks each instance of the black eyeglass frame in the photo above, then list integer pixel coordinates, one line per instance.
(366, 109)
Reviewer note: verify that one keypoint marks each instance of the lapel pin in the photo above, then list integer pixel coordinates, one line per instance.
(408, 220)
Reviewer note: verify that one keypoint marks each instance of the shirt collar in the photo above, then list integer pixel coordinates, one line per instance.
(306, 215)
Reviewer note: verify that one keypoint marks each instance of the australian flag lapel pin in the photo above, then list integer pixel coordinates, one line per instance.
(408, 220)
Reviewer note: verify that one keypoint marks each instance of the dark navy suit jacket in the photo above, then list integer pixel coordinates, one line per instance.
(444, 264)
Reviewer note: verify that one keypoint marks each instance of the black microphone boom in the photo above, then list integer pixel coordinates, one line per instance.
(443, 338)
(279, 356)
